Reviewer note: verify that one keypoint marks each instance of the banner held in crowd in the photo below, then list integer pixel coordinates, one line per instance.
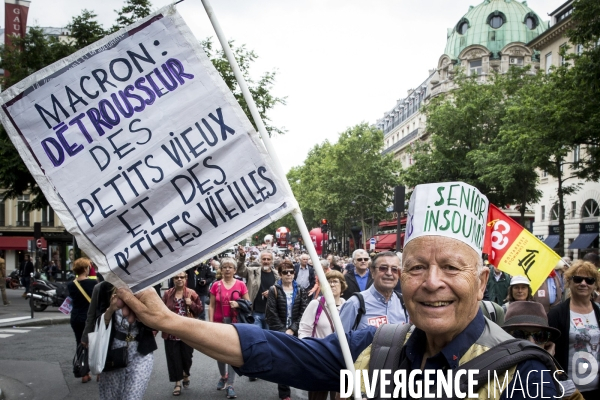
(143, 152)
(516, 251)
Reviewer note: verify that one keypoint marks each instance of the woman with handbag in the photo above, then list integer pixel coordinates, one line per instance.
(316, 321)
(223, 296)
(286, 302)
(80, 291)
(185, 302)
(130, 357)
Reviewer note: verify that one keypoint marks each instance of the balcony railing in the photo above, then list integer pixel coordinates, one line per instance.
(406, 139)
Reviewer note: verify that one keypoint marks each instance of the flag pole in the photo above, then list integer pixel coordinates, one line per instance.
(325, 288)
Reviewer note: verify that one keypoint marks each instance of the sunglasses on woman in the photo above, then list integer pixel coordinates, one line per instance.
(579, 279)
(287, 272)
(540, 337)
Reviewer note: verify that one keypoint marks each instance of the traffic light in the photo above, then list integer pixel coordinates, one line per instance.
(324, 226)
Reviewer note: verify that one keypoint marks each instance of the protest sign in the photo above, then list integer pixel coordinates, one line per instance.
(516, 251)
(143, 152)
(452, 209)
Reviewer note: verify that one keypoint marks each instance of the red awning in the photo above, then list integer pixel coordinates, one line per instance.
(17, 242)
(387, 242)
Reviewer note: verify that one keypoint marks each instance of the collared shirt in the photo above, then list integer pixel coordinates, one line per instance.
(379, 311)
(316, 363)
(362, 280)
(551, 290)
(302, 278)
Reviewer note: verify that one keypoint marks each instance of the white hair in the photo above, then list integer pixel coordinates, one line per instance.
(359, 251)
(230, 261)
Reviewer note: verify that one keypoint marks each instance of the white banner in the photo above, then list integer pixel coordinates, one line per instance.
(144, 153)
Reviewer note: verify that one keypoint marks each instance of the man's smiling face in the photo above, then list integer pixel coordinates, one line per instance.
(441, 285)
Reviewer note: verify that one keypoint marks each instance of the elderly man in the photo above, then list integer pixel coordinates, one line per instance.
(442, 281)
(379, 304)
(259, 279)
(359, 279)
(304, 275)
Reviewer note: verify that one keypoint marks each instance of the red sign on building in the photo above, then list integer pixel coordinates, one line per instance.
(15, 19)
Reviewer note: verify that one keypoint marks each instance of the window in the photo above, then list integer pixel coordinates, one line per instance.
(554, 213)
(543, 213)
(531, 22)
(2, 213)
(590, 209)
(496, 21)
(518, 61)
(577, 154)
(22, 215)
(47, 216)
(544, 174)
(462, 28)
(548, 62)
(561, 59)
(475, 67)
(579, 49)
(573, 208)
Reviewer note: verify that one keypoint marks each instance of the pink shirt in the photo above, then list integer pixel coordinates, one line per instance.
(236, 292)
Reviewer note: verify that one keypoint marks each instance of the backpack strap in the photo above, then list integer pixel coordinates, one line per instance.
(87, 296)
(386, 348)
(399, 294)
(320, 308)
(490, 310)
(361, 310)
(505, 355)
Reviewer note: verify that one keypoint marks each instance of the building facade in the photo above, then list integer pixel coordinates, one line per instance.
(491, 37)
(582, 212)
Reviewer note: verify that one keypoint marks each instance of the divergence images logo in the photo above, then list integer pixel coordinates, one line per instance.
(584, 368)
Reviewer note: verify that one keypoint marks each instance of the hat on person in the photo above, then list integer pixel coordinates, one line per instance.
(519, 280)
(452, 209)
(528, 314)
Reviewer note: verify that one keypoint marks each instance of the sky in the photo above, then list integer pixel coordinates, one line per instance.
(338, 62)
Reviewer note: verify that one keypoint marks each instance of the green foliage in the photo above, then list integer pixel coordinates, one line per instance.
(85, 29)
(260, 91)
(347, 180)
(465, 143)
(132, 11)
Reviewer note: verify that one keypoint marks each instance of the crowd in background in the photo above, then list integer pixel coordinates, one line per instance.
(282, 292)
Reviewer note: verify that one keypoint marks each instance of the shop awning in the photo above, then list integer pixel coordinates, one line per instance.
(17, 242)
(387, 242)
(583, 241)
(552, 240)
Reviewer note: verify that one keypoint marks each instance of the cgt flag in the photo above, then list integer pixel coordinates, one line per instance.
(514, 250)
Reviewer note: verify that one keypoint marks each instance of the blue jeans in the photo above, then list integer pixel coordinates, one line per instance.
(260, 320)
(202, 315)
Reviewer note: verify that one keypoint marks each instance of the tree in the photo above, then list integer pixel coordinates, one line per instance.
(260, 91)
(347, 180)
(465, 144)
(132, 11)
(85, 29)
(586, 32)
(545, 119)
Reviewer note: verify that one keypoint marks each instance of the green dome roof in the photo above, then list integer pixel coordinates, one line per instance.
(514, 17)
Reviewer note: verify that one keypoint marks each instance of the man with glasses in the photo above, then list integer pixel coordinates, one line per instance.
(359, 279)
(379, 304)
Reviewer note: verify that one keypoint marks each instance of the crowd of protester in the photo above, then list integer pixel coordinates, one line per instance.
(281, 293)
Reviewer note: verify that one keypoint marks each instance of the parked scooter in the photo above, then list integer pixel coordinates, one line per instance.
(13, 281)
(46, 293)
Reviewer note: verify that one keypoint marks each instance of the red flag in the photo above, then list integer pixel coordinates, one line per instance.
(514, 250)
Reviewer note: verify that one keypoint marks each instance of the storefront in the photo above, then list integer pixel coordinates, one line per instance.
(553, 236)
(587, 241)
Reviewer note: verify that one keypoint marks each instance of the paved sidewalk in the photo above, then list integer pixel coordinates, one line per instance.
(18, 312)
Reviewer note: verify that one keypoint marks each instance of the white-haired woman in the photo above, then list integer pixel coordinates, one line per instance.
(223, 296)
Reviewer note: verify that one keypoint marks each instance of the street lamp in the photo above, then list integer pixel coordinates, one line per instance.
(362, 219)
